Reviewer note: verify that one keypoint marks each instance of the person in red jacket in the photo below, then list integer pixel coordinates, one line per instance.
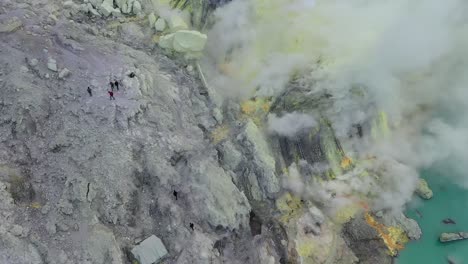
(111, 95)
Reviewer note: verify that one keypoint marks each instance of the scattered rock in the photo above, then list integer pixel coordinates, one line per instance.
(150, 251)
(177, 23)
(95, 3)
(64, 73)
(52, 65)
(62, 227)
(107, 7)
(151, 19)
(449, 221)
(68, 4)
(90, 8)
(116, 12)
(16, 230)
(24, 69)
(10, 25)
(447, 237)
(33, 62)
(136, 8)
(65, 207)
(160, 24)
(423, 190)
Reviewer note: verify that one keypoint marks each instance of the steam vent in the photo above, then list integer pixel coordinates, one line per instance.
(233, 131)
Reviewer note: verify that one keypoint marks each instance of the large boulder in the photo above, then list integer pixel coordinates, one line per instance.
(151, 19)
(160, 24)
(107, 7)
(136, 9)
(150, 251)
(189, 41)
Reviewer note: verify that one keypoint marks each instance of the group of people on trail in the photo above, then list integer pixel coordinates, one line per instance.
(113, 84)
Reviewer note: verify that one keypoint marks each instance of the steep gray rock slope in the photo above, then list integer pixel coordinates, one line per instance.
(84, 179)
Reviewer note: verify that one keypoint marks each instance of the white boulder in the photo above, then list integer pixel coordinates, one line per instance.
(177, 23)
(160, 24)
(189, 41)
(64, 73)
(52, 65)
(136, 8)
(151, 19)
(150, 251)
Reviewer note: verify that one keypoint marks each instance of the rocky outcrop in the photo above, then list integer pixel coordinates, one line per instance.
(410, 226)
(448, 237)
(263, 162)
(423, 190)
(365, 242)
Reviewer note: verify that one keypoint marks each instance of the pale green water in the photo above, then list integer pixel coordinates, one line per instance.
(449, 201)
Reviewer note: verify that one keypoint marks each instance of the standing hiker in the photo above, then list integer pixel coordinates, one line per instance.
(112, 85)
(89, 91)
(111, 95)
(116, 83)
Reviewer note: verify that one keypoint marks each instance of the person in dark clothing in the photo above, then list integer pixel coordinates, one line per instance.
(112, 86)
(116, 83)
(192, 226)
(175, 194)
(111, 95)
(89, 91)
(131, 75)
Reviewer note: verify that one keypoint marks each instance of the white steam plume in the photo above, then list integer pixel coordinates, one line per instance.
(290, 124)
(409, 57)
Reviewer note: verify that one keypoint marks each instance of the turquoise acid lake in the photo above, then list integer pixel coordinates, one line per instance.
(449, 201)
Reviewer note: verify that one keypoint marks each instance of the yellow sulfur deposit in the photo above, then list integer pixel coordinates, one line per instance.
(35, 205)
(345, 213)
(305, 248)
(346, 162)
(219, 134)
(256, 109)
(393, 237)
(380, 126)
(290, 207)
